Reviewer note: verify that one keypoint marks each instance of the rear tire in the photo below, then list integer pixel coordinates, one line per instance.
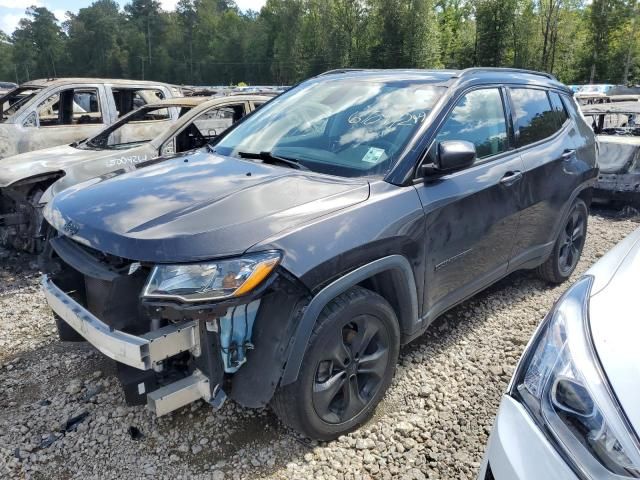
(347, 367)
(568, 247)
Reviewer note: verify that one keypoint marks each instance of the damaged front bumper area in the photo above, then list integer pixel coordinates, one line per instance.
(142, 352)
(168, 353)
(145, 352)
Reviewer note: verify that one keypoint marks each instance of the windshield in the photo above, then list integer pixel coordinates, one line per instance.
(15, 99)
(346, 127)
(137, 128)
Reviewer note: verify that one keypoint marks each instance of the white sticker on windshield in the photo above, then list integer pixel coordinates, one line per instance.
(373, 155)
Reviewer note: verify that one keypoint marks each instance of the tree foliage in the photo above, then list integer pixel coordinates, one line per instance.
(213, 42)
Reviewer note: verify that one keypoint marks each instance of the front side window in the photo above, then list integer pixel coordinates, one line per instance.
(70, 107)
(477, 118)
(347, 127)
(14, 100)
(131, 130)
(217, 119)
(207, 126)
(535, 118)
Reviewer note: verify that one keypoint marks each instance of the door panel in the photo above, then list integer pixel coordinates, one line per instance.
(471, 223)
(471, 215)
(551, 174)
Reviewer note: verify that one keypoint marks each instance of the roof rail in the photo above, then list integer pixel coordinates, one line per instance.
(471, 70)
(340, 70)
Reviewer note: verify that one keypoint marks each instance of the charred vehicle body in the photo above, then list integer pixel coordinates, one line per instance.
(287, 264)
(28, 181)
(45, 113)
(617, 129)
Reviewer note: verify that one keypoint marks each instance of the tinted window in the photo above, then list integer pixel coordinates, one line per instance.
(558, 108)
(478, 118)
(534, 117)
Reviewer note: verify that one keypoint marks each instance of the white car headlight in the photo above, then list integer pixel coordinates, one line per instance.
(215, 280)
(561, 383)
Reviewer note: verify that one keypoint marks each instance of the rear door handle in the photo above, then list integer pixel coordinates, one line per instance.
(511, 177)
(568, 154)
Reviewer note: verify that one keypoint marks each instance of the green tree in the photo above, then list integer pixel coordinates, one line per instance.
(39, 44)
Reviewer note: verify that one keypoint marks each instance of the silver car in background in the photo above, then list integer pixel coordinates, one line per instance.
(572, 410)
(30, 180)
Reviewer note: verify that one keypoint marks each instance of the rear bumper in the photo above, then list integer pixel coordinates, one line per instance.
(518, 450)
(617, 186)
(141, 352)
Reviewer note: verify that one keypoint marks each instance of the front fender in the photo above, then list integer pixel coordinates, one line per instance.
(404, 283)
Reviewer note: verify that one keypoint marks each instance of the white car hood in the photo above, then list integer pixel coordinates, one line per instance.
(614, 313)
(38, 162)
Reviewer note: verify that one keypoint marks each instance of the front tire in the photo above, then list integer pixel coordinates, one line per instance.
(568, 247)
(347, 367)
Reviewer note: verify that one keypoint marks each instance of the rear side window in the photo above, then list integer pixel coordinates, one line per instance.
(477, 118)
(535, 119)
(129, 99)
(558, 108)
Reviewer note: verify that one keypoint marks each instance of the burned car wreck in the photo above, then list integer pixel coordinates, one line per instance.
(158, 130)
(617, 129)
(287, 263)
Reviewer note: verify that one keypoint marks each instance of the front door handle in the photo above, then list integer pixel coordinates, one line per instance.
(511, 177)
(568, 154)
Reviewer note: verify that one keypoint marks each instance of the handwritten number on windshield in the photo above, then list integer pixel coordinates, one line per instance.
(375, 118)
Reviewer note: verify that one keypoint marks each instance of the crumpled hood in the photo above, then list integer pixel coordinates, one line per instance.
(196, 207)
(615, 322)
(38, 162)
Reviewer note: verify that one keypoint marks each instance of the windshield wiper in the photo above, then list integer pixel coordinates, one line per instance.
(268, 157)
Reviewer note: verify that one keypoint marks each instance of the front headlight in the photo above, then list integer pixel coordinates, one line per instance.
(215, 280)
(561, 383)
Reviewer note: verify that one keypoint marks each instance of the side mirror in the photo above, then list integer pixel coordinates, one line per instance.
(31, 121)
(168, 148)
(455, 155)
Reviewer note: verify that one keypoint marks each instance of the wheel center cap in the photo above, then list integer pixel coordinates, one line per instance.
(352, 368)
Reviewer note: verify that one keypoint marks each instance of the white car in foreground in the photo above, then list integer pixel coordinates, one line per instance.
(572, 410)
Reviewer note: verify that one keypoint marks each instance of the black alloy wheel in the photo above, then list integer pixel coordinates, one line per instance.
(347, 367)
(352, 371)
(568, 246)
(572, 238)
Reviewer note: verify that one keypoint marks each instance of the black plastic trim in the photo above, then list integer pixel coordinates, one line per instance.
(317, 304)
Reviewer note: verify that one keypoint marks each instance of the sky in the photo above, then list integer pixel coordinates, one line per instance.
(11, 11)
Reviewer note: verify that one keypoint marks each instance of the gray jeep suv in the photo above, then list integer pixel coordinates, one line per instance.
(288, 263)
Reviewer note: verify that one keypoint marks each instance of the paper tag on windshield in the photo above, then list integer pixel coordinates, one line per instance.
(373, 155)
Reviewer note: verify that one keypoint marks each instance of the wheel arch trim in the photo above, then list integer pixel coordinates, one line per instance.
(406, 289)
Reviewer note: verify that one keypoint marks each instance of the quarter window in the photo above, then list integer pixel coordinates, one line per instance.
(535, 118)
(477, 118)
(558, 108)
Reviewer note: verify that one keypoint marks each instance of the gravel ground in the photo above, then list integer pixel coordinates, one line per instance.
(62, 414)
